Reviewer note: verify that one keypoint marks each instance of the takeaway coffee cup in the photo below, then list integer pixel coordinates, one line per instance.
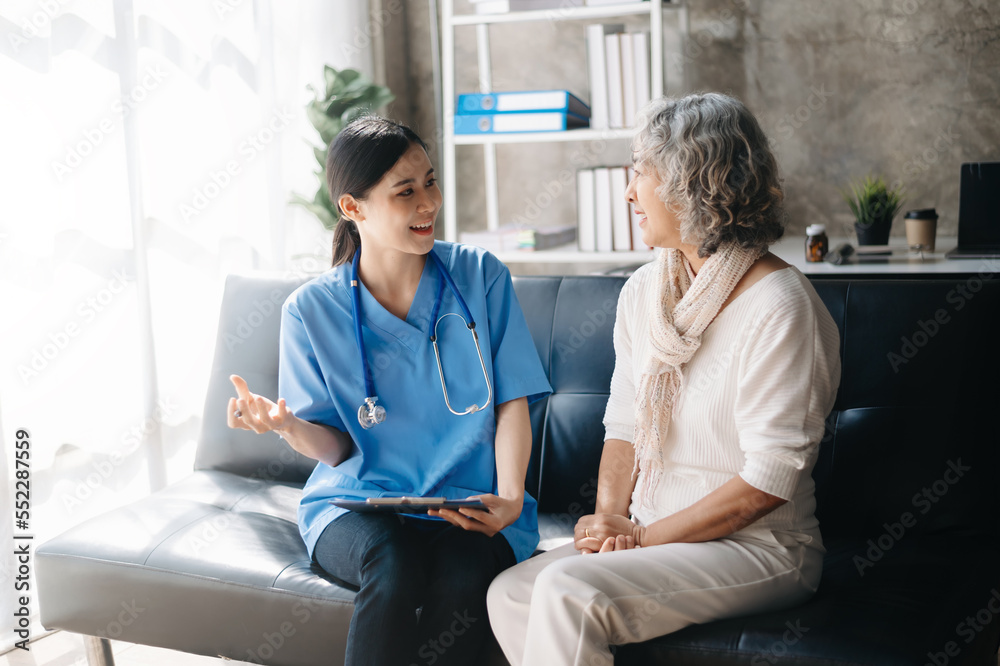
(921, 228)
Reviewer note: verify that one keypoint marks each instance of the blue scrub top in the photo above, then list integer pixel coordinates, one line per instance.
(421, 448)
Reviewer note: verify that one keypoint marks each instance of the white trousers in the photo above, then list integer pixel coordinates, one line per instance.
(566, 608)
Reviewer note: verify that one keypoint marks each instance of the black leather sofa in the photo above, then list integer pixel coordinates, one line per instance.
(906, 489)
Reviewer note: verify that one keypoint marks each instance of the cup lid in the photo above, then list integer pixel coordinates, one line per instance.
(920, 214)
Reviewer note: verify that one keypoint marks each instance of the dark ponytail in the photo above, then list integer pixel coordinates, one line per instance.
(346, 240)
(358, 158)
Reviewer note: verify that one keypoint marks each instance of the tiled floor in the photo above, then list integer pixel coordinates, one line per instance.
(66, 649)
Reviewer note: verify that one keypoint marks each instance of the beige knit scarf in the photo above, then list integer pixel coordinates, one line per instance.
(684, 305)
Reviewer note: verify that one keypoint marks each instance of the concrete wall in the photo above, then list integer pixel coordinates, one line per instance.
(908, 89)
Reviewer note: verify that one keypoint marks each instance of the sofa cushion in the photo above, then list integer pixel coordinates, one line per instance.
(905, 608)
(164, 570)
(572, 323)
(918, 381)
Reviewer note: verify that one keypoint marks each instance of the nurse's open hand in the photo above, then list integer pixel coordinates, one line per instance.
(257, 413)
(502, 512)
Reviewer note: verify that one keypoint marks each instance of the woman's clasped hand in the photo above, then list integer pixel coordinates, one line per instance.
(606, 532)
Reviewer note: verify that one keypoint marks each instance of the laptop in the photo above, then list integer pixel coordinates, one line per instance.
(978, 212)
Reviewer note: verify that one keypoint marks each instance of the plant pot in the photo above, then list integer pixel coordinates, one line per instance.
(876, 233)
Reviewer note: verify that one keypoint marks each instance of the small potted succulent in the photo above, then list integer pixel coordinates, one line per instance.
(347, 95)
(874, 204)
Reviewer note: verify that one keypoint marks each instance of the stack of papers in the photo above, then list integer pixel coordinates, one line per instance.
(504, 239)
(515, 237)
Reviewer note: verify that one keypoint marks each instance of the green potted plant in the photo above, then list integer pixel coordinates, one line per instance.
(874, 204)
(347, 95)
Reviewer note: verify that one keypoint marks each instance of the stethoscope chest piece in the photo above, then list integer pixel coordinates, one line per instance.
(370, 414)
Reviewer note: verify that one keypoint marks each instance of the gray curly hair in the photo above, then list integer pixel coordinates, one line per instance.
(717, 171)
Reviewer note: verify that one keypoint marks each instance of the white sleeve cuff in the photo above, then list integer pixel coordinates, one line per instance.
(618, 431)
(771, 474)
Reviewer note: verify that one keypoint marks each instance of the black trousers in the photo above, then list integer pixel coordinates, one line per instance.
(400, 564)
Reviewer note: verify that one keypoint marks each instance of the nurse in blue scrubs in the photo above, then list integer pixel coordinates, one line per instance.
(475, 443)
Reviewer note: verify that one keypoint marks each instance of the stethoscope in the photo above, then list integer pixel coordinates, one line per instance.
(371, 414)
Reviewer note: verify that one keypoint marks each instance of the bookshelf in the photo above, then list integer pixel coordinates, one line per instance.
(480, 22)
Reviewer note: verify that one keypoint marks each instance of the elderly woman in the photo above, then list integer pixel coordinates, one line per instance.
(727, 364)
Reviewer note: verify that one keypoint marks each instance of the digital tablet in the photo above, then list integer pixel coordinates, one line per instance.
(406, 504)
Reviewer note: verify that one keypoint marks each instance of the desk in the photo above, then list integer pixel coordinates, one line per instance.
(900, 264)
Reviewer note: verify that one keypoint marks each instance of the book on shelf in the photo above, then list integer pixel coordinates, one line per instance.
(527, 101)
(602, 210)
(616, 89)
(606, 222)
(640, 58)
(634, 218)
(619, 70)
(515, 237)
(585, 213)
(598, 72)
(505, 6)
(621, 222)
(628, 78)
(501, 123)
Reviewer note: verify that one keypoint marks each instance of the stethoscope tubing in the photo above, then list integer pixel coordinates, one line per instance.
(367, 419)
(356, 312)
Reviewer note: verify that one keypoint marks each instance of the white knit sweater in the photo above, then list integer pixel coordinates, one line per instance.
(753, 400)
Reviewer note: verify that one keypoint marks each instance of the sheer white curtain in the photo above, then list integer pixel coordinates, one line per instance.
(148, 149)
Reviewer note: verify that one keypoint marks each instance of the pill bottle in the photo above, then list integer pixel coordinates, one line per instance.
(817, 244)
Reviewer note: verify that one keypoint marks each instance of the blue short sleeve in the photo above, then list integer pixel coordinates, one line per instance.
(517, 372)
(300, 379)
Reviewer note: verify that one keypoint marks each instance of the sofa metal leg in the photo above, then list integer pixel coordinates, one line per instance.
(98, 651)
